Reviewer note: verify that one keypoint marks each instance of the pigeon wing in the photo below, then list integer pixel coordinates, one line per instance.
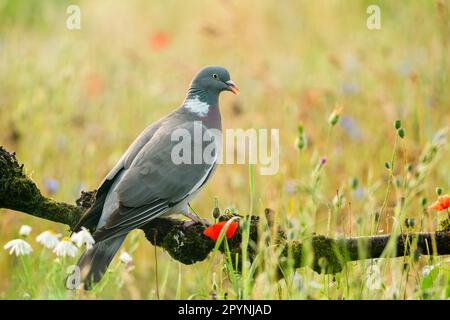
(154, 182)
(91, 217)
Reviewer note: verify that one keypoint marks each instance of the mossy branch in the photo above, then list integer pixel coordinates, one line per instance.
(188, 245)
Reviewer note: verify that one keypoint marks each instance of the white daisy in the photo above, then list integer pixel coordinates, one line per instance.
(125, 257)
(373, 279)
(83, 237)
(18, 246)
(315, 285)
(65, 248)
(427, 270)
(48, 239)
(25, 230)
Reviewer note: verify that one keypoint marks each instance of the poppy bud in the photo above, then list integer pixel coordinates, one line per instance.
(354, 182)
(410, 222)
(216, 213)
(377, 216)
(270, 216)
(439, 191)
(216, 210)
(335, 115)
(300, 142)
(322, 262)
(398, 124)
(334, 118)
(401, 133)
(423, 201)
(387, 165)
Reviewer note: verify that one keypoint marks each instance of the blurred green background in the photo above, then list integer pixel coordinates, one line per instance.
(71, 101)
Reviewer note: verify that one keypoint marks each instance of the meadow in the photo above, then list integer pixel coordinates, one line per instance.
(71, 101)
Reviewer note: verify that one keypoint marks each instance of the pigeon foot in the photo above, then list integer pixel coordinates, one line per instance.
(194, 218)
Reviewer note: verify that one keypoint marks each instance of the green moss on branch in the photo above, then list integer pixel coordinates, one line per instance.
(18, 192)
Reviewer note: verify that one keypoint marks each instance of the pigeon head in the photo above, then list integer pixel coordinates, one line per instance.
(214, 80)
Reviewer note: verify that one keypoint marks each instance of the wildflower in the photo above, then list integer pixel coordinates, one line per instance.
(18, 246)
(427, 270)
(299, 281)
(83, 237)
(442, 203)
(213, 231)
(405, 68)
(314, 285)
(48, 239)
(158, 40)
(65, 248)
(359, 193)
(290, 187)
(25, 230)
(323, 160)
(51, 185)
(351, 127)
(94, 84)
(351, 64)
(125, 257)
(349, 87)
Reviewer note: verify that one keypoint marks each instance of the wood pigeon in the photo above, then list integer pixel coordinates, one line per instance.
(146, 183)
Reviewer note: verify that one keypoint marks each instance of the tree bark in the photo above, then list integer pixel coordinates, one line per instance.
(188, 245)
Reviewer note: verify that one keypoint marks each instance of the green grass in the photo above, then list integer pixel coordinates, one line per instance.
(72, 101)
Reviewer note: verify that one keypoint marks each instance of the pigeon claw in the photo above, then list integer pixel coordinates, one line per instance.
(195, 219)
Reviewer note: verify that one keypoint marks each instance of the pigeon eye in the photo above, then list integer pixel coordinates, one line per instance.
(215, 76)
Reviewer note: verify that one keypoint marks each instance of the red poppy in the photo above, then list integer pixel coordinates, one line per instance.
(213, 231)
(158, 40)
(94, 84)
(442, 203)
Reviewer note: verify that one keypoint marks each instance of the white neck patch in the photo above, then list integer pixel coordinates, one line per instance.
(196, 106)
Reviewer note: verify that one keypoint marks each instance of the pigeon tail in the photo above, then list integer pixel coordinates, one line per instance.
(94, 262)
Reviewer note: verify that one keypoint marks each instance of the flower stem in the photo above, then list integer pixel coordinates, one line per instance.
(388, 189)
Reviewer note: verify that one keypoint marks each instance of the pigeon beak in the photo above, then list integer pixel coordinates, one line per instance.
(233, 87)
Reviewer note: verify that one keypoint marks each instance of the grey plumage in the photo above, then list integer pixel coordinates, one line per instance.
(145, 183)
